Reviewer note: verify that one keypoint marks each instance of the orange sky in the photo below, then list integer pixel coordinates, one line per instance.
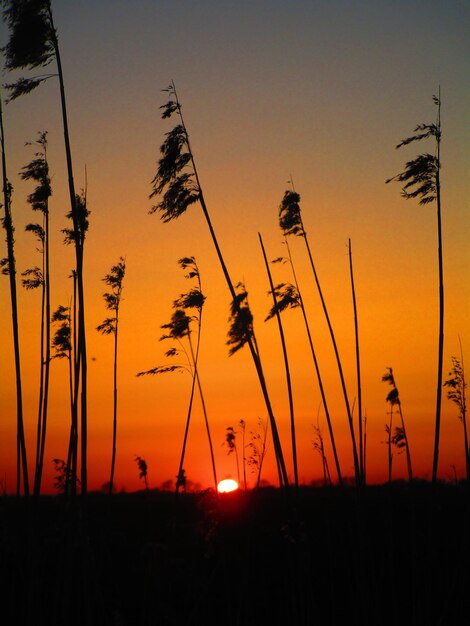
(321, 92)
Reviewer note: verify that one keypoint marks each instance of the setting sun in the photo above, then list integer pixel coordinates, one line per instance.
(227, 485)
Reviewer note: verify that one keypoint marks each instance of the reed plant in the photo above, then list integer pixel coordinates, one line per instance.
(38, 171)
(194, 300)
(63, 348)
(319, 447)
(177, 185)
(291, 223)
(9, 267)
(76, 236)
(399, 437)
(34, 43)
(289, 296)
(232, 448)
(177, 330)
(358, 370)
(275, 312)
(110, 326)
(258, 447)
(421, 180)
(242, 425)
(143, 470)
(456, 393)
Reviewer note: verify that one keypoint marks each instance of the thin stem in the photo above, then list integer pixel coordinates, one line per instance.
(317, 369)
(186, 430)
(243, 455)
(82, 354)
(283, 479)
(37, 470)
(22, 462)
(338, 360)
(286, 365)
(115, 401)
(195, 359)
(440, 359)
(365, 450)
(464, 414)
(390, 456)
(358, 367)
(45, 350)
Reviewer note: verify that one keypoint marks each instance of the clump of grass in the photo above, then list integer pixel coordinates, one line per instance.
(177, 329)
(275, 311)
(456, 386)
(143, 470)
(399, 437)
(289, 296)
(257, 449)
(34, 43)
(177, 185)
(63, 348)
(231, 443)
(319, 447)
(291, 223)
(8, 266)
(38, 171)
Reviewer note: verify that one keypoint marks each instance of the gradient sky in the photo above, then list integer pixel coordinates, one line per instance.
(320, 90)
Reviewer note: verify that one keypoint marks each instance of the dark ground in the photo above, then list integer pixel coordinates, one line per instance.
(390, 555)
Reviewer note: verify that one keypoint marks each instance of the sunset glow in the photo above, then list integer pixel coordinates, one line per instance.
(227, 485)
(320, 91)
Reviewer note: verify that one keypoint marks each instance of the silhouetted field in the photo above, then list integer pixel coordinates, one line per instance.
(390, 555)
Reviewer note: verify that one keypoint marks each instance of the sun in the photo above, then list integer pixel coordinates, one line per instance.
(227, 485)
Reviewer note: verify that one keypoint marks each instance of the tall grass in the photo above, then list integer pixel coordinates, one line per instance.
(291, 223)
(399, 437)
(276, 312)
(110, 326)
(421, 179)
(9, 267)
(290, 296)
(194, 299)
(38, 171)
(178, 329)
(456, 393)
(177, 184)
(63, 348)
(34, 43)
(358, 369)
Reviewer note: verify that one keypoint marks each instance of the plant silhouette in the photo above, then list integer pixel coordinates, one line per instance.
(290, 221)
(178, 328)
(62, 345)
(240, 322)
(177, 184)
(38, 171)
(231, 443)
(258, 447)
(399, 438)
(456, 386)
(288, 296)
(421, 178)
(358, 371)
(110, 326)
(9, 268)
(143, 470)
(34, 43)
(288, 300)
(319, 447)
